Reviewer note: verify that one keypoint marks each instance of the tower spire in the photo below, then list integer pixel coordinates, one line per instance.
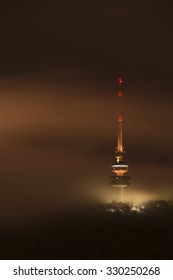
(120, 119)
(120, 167)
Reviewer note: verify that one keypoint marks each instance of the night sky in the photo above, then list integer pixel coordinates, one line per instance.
(59, 63)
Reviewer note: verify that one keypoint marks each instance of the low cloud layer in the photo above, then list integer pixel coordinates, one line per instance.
(56, 138)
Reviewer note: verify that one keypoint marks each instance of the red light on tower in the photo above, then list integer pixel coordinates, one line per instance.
(120, 81)
(120, 119)
(120, 94)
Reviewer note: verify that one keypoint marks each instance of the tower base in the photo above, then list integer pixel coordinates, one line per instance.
(119, 184)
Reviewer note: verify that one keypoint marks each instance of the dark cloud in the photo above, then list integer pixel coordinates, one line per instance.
(133, 38)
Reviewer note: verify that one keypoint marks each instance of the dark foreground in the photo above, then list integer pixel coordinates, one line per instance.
(91, 235)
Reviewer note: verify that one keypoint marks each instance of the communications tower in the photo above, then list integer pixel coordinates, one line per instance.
(120, 181)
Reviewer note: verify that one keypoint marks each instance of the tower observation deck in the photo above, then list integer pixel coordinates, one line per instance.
(120, 181)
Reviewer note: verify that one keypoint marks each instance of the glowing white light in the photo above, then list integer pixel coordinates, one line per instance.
(110, 210)
(135, 208)
(120, 165)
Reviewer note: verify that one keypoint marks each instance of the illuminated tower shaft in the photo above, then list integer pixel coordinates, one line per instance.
(120, 137)
(120, 119)
(120, 182)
